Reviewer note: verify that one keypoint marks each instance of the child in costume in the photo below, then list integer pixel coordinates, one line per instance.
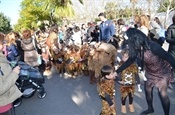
(107, 90)
(127, 83)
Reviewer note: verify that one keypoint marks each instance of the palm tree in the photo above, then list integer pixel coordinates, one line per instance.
(60, 8)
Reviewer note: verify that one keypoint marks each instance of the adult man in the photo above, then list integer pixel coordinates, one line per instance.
(106, 28)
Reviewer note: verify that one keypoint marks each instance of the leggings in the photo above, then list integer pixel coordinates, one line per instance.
(130, 99)
(162, 95)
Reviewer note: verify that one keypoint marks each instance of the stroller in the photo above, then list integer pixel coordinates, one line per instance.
(29, 82)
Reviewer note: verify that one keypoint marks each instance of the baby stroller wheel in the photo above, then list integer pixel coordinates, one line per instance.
(42, 94)
(17, 102)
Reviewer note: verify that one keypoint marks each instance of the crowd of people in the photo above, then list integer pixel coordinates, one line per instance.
(105, 52)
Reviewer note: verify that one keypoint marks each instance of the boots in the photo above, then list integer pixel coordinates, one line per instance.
(131, 108)
(148, 111)
(123, 109)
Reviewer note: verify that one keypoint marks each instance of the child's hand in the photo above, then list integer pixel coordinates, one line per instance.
(121, 82)
(112, 106)
(115, 74)
(16, 69)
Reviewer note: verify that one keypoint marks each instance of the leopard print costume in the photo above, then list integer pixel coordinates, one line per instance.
(107, 87)
(128, 80)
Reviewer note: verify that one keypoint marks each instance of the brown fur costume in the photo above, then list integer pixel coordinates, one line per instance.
(102, 54)
(72, 57)
(84, 53)
(58, 61)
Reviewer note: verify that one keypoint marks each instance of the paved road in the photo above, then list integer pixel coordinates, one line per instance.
(68, 96)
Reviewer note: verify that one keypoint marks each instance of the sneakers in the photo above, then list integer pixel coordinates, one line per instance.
(17, 102)
(139, 90)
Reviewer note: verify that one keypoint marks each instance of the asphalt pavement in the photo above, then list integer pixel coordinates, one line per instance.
(69, 96)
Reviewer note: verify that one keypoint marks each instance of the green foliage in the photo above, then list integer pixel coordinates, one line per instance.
(164, 4)
(33, 11)
(110, 9)
(114, 10)
(5, 26)
(59, 9)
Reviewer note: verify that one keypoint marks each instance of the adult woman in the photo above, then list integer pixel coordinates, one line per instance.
(157, 64)
(28, 44)
(9, 92)
(144, 24)
(137, 21)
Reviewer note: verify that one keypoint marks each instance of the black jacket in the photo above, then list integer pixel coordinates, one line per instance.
(170, 38)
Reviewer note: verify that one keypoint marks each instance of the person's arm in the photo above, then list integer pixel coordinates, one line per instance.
(112, 29)
(126, 64)
(6, 84)
(107, 98)
(15, 50)
(169, 36)
(159, 51)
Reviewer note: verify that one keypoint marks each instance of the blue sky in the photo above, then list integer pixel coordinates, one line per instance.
(10, 8)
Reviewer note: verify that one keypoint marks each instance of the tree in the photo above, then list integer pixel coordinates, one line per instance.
(5, 26)
(34, 11)
(31, 12)
(133, 2)
(166, 6)
(111, 10)
(60, 9)
(149, 6)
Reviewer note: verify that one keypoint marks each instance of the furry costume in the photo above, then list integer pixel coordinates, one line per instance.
(72, 64)
(84, 53)
(58, 62)
(107, 87)
(102, 54)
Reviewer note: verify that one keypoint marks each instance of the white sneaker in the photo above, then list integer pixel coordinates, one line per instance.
(139, 90)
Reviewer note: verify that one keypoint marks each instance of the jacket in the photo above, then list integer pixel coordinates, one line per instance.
(30, 53)
(8, 90)
(106, 31)
(12, 52)
(170, 38)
